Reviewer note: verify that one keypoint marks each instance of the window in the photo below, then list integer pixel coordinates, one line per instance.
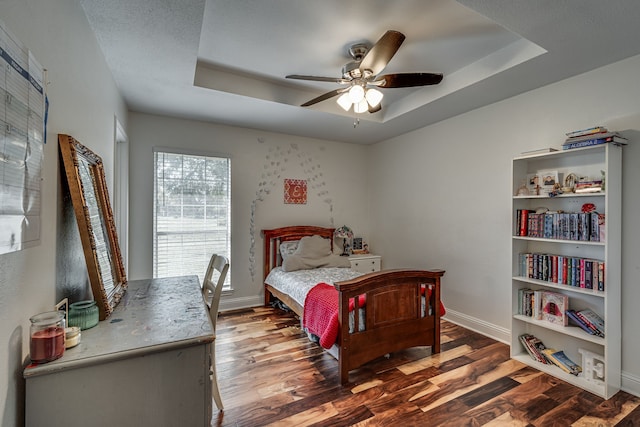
(191, 218)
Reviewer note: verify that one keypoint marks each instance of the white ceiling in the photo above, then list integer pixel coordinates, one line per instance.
(224, 61)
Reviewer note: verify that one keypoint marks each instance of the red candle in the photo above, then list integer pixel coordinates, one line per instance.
(47, 344)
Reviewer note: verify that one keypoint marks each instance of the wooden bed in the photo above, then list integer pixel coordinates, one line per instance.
(394, 317)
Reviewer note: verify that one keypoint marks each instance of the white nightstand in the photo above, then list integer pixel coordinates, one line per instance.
(366, 263)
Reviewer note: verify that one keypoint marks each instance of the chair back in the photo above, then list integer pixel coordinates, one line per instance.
(211, 287)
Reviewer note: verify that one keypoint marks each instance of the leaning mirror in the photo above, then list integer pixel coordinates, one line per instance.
(90, 199)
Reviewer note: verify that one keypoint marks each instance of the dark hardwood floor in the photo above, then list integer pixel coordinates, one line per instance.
(269, 373)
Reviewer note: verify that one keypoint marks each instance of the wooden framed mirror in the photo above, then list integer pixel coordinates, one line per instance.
(90, 199)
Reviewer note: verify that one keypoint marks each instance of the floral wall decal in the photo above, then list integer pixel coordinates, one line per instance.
(276, 162)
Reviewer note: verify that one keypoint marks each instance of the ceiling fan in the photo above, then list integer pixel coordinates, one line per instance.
(360, 77)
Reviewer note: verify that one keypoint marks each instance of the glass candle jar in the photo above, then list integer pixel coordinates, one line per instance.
(47, 336)
(83, 314)
(71, 336)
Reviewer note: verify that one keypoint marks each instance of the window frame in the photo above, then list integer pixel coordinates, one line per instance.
(190, 153)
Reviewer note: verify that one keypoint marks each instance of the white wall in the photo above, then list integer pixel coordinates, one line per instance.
(337, 189)
(454, 208)
(83, 101)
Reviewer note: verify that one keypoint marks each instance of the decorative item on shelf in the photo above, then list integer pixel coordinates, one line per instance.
(548, 180)
(592, 366)
(356, 245)
(569, 183)
(523, 190)
(557, 190)
(83, 314)
(344, 233)
(46, 336)
(533, 184)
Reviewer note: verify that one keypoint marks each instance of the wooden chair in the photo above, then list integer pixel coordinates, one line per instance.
(211, 292)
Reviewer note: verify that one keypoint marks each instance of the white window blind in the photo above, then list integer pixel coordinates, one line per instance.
(192, 207)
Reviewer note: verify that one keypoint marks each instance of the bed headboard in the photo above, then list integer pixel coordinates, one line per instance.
(273, 238)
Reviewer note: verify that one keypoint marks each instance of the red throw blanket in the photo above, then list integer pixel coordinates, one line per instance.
(320, 315)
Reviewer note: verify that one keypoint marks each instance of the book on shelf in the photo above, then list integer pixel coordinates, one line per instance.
(614, 139)
(534, 347)
(588, 131)
(595, 135)
(579, 226)
(529, 303)
(554, 305)
(573, 316)
(591, 318)
(539, 151)
(558, 358)
(601, 227)
(563, 270)
(588, 189)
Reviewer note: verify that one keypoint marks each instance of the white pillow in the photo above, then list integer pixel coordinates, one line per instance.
(288, 248)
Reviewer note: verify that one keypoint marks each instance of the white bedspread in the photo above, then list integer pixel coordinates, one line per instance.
(297, 284)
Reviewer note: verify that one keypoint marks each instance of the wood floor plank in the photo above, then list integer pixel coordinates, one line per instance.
(269, 373)
(611, 411)
(434, 360)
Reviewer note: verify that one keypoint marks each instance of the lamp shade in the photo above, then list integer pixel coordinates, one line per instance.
(343, 232)
(373, 96)
(356, 93)
(344, 101)
(361, 106)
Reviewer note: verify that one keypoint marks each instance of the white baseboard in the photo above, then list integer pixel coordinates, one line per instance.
(228, 304)
(480, 326)
(630, 383)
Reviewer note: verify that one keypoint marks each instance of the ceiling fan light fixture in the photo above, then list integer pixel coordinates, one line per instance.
(356, 93)
(361, 107)
(374, 97)
(344, 101)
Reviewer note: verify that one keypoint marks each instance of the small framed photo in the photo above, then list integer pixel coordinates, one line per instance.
(360, 247)
(357, 243)
(548, 180)
(533, 183)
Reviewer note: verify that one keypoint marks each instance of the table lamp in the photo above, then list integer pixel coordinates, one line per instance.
(343, 233)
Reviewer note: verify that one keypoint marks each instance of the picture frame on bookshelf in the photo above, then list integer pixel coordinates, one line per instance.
(533, 183)
(548, 180)
(554, 307)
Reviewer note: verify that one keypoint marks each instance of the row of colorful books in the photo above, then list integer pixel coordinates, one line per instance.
(539, 352)
(593, 136)
(589, 226)
(579, 272)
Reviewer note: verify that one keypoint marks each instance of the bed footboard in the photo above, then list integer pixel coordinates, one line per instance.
(395, 319)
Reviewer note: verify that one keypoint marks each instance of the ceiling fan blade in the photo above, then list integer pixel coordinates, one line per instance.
(407, 80)
(317, 79)
(381, 53)
(324, 97)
